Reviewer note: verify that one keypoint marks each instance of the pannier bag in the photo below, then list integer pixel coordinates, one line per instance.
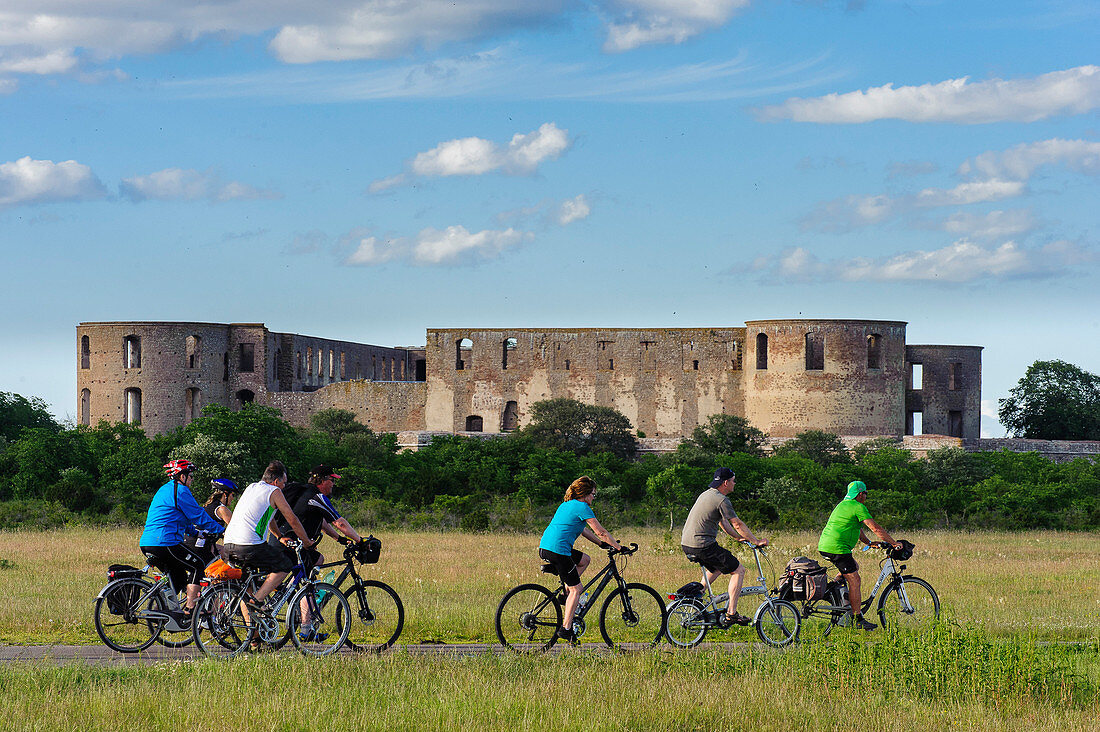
(369, 550)
(691, 589)
(219, 570)
(803, 579)
(118, 571)
(120, 598)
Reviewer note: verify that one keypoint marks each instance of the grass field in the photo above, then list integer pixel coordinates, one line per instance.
(1041, 583)
(1001, 662)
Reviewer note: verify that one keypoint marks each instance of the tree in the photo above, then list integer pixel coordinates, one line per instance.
(214, 459)
(336, 423)
(17, 412)
(1054, 400)
(823, 448)
(567, 424)
(725, 434)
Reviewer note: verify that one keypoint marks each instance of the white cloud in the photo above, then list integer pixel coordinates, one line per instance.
(27, 181)
(54, 62)
(646, 22)
(433, 247)
(178, 184)
(993, 225)
(573, 209)
(8, 86)
(1021, 161)
(962, 261)
(476, 156)
(968, 193)
(1072, 91)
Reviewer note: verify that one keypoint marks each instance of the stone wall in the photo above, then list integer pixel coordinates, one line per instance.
(382, 406)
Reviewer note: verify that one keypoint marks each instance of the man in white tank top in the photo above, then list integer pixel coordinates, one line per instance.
(246, 534)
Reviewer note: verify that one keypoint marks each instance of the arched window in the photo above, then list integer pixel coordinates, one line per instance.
(194, 352)
(473, 424)
(463, 354)
(510, 420)
(131, 352)
(309, 363)
(761, 351)
(815, 352)
(874, 351)
(85, 407)
(192, 405)
(85, 353)
(131, 405)
(245, 396)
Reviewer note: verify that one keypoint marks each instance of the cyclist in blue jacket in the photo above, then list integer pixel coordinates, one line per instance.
(173, 514)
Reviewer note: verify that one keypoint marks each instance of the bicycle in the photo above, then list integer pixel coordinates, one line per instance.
(692, 615)
(226, 624)
(631, 618)
(377, 616)
(908, 602)
(135, 609)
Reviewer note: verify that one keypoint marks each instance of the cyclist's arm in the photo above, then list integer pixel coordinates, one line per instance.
(224, 514)
(595, 533)
(738, 529)
(278, 500)
(340, 526)
(880, 532)
(194, 513)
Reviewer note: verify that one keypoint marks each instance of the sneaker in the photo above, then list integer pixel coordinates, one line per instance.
(311, 635)
(727, 621)
(567, 635)
(259, 646)
(861, 624)
(255, 605)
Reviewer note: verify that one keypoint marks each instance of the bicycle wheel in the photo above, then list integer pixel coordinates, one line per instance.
(777, 622)
(908, 604)
(632, 618)
(220, 627)
(686, 626)
(817, 619)
(329, 619)
(121, 615)
(377, 616)
(527, 619)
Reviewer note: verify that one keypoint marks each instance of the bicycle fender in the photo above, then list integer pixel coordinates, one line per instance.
(109, 585)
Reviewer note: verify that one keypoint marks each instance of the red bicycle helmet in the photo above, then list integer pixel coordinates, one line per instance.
(178, 467)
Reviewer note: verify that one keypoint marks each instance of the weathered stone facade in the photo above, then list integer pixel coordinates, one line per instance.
(849, 377)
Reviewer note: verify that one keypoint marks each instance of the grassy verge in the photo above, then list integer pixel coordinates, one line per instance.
(1045, 584)
(949, 678)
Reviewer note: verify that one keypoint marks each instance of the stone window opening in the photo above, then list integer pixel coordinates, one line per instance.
(695, 364)
(193, 346)
(474, 423)
(85, 352)
(192, 405)
(954, 377)
(309, 363)
(421, 370)
(914, 423)
(463, 354)
(761, 351)
(955, 423)
(916, 376)
(298, 364)
(374, 367)
(567, 364)
(86, 406)
(815, 352)
(131, 352)
(246, 362)
(332, 364)
(343, 365)
(131, 402)
(225, 366)
(874, 351)
(509, 345)
(320, 364)
(610, 364)
(245, 396)
(510, 419)
(358, 369)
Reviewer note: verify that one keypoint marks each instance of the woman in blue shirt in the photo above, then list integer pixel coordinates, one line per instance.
(573, 518)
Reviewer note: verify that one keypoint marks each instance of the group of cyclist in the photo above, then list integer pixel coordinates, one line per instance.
(699, 540)
(179, 534)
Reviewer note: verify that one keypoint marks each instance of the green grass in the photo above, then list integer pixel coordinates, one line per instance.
(950, 677)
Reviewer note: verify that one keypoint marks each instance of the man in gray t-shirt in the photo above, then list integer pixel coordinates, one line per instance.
(713, 511)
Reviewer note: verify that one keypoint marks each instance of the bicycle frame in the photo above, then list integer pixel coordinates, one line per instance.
(888, 571)
(604, 577)
(758, 589)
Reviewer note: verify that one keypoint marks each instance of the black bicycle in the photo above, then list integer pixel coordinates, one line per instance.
(377, 615)
(632, 617)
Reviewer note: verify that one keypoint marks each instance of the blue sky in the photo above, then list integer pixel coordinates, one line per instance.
(365, 169)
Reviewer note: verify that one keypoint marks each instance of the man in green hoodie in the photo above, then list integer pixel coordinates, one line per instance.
(843, 529)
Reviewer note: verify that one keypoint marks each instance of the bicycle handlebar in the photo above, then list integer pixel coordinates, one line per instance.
(626, 549)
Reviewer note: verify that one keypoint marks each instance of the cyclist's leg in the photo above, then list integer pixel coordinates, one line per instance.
(312, 559)
(737, 580)
(571, 578)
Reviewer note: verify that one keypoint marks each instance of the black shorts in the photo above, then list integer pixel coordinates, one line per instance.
(566, 566)
(182, 563)
(261, 557)
(714, 557)
(845, 563)
(310, 556)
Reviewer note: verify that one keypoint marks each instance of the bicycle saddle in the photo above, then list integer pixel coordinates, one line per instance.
(154, 562)
(550, 569)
